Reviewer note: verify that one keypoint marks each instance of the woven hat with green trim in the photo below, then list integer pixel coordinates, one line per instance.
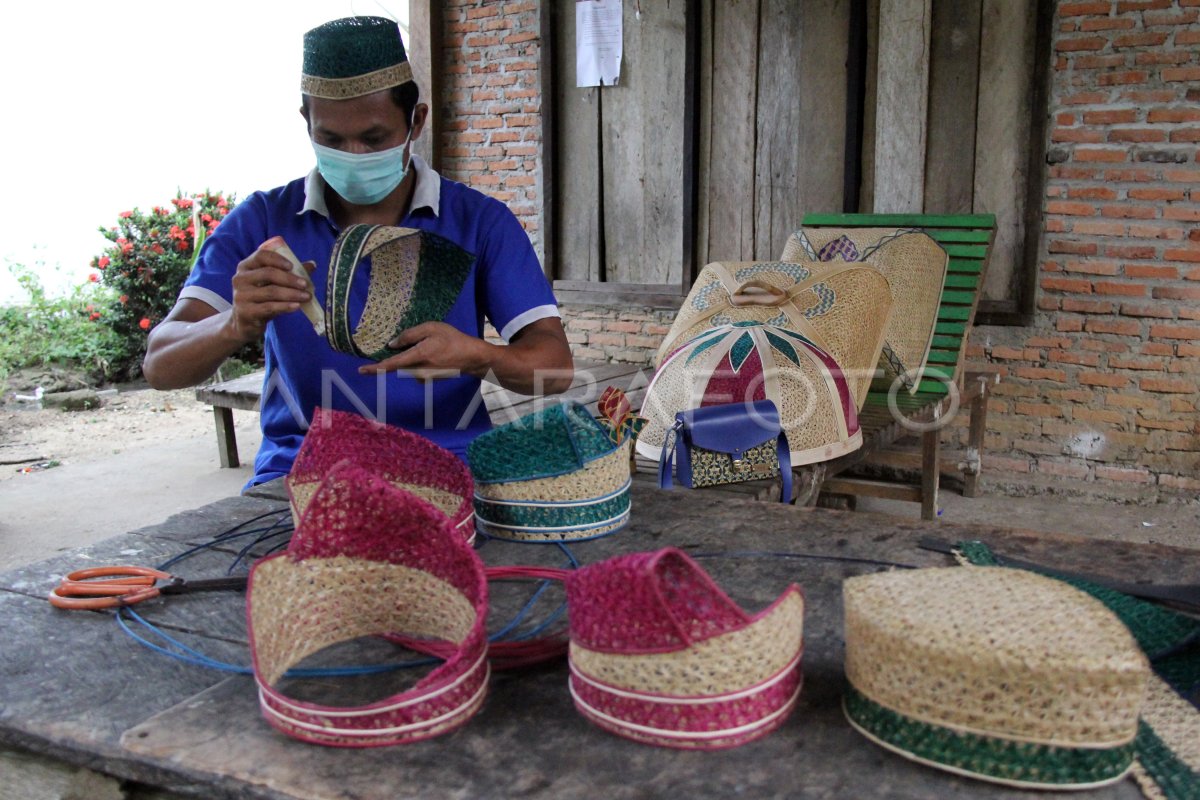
(353, 56)
(553, 475)
(998, 674)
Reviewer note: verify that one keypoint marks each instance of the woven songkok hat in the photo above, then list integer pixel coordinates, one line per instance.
(353, 56)
(407, 276)
(368, 559)
(404, 459)
(661, 655)
(553, 475)
(994, 673)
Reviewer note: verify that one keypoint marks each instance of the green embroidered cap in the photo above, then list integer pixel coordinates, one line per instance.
(353, 56)
(551, 476)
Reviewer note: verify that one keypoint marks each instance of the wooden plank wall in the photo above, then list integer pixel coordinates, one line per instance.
(979, 116)
(773, 96)
(1002, 146)
(642, 136)
(620, 154)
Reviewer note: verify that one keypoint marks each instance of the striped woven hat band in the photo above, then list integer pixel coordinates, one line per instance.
(353, 56)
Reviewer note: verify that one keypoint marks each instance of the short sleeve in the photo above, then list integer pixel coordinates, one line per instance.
(516, 292)
(238, 235)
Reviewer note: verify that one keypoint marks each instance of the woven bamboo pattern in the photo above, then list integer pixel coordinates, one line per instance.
(843, 308)
(915, 267)
(553, 475)
(369, 559)
(1168, 740)
(998, 674)
(661, 655)
(749, 361)
(404, 459)
(408, 276)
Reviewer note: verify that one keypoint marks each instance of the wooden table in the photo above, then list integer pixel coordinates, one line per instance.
(74, 688)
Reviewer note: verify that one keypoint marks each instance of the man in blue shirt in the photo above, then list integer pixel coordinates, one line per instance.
(363, 113)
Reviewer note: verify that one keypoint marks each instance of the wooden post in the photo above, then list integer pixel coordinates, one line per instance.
(226, 437)
(901, 102)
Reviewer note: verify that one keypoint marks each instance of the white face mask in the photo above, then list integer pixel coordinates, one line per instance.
(363, 179)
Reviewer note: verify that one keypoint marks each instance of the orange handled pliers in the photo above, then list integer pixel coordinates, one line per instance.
(114, 587)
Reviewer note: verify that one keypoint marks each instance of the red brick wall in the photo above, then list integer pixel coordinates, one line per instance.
(1103, 387)
(491, 104)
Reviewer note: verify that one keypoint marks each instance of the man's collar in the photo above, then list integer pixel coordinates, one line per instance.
(426, 194)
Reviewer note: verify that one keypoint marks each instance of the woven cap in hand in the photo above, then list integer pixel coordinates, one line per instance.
(661, 655)
(353, 56)
(412, 276)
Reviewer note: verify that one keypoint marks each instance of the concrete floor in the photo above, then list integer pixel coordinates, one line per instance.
(62, 509)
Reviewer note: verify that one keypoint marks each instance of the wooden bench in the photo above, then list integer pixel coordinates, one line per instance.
(967, 238)
(239, 393)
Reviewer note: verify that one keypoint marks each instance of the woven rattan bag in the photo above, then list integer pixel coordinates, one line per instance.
(994, 673)
(400, 277)
(842, 308)
(553, 475)
(404, 459)
(660, 654)
(749, 361)
(915, 267)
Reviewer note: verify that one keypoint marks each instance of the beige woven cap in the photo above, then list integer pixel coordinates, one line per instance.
(915, 266)
(999, 674)
(843, 308)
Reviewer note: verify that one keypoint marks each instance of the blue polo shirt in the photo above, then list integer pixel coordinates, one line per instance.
(506, 286)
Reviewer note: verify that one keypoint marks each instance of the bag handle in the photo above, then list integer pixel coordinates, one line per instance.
(758, 293)
(666, 461)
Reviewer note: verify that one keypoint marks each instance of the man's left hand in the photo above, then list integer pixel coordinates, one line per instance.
(432, 351)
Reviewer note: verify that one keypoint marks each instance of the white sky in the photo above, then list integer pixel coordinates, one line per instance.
(111, 105)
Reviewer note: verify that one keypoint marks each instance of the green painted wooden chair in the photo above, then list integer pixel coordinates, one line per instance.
(947, 387)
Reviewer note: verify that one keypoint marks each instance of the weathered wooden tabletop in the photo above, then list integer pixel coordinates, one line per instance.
(74, 687)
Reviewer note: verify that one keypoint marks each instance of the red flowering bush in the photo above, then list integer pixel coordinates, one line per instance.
(149, 260)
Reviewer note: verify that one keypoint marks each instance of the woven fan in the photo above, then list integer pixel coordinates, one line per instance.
(409, 276)
(915, 266)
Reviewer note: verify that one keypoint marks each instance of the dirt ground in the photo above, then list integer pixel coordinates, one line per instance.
(33, 438)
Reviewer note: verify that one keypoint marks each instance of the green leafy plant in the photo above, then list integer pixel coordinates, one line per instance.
(148, 262)
(45, 330)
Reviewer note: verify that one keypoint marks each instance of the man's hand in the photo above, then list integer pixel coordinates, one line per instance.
(536, 361)
(263, 288)
(433, 350)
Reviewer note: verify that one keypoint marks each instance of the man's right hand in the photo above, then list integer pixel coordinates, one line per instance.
(263, 288)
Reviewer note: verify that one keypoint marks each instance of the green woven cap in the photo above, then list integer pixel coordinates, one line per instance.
(353, 56)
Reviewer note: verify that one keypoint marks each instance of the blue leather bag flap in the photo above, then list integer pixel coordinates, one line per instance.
(732, 428)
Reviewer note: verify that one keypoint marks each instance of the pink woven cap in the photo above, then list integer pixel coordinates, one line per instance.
(660, 654)
(400, 457)
(368, 558)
